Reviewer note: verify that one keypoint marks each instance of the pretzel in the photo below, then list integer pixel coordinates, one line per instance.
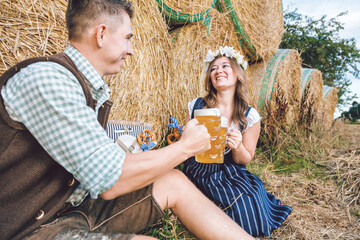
(147, 140)
(175, 136)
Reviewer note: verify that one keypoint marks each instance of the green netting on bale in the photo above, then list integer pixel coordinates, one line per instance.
(329, 102)
(244, 39)
(268, 82)
(326, 90)
(219, 6)
(305, 77)
(177, 17)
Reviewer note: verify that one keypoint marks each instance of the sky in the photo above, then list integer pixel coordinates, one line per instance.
(331, 8)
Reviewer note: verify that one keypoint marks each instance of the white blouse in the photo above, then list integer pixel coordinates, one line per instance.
(252, 118)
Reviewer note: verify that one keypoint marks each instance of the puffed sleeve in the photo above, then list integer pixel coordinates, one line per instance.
(191, 105)
(252, 118)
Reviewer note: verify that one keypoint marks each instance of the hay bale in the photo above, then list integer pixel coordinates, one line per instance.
(325, 116)
(139, 91)
(311, 95)
(188, 50)
(30, 29)
(274, 87)
(259, 24)
(184, 11)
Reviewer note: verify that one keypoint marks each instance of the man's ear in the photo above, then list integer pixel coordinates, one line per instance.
(100, 34)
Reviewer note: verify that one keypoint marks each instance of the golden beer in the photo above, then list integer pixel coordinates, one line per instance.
(224, 128)
(210, 118)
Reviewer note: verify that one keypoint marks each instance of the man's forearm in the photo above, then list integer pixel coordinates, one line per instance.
(141, 169)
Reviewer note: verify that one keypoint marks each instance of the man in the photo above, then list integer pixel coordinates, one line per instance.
(47, 104)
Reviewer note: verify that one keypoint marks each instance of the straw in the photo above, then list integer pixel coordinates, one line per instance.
(188, 50)
(325, 115)
(275, 87)
(29, 29)
(259, 25)
(140, 90)
(311, 95)
(185, 11)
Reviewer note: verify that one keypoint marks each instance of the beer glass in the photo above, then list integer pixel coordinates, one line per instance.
(224, 129)
(210, 118)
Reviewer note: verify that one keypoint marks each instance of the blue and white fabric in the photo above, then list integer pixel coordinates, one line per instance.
(115, 129)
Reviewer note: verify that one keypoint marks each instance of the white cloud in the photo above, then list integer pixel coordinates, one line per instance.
(351, 24)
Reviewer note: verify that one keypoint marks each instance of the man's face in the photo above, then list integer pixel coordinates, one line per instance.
(117, 45)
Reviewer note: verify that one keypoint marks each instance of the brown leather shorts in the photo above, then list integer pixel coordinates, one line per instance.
(120, 218)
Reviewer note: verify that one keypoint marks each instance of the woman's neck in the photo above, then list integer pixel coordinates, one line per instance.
(225, 102)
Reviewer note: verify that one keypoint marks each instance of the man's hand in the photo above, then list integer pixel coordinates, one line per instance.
(195, 138)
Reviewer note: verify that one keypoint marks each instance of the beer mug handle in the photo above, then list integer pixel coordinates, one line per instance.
(227, 150)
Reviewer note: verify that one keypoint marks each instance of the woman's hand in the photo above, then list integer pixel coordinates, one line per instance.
(234, 139)
(243, 145)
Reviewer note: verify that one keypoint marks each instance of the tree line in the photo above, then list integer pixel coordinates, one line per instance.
(321, 47)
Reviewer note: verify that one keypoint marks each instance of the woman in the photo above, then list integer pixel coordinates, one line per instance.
(238, 192)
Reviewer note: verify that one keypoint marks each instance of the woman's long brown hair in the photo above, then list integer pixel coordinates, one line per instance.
(241, 102)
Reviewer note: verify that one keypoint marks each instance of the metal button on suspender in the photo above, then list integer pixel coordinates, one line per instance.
(40, 215)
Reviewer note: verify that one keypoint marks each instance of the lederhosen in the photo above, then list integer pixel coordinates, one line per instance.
(33, 186)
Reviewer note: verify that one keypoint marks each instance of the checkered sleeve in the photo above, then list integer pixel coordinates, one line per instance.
(49, 101)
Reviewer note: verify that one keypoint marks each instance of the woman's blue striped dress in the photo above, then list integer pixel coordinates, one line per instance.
(239, 193)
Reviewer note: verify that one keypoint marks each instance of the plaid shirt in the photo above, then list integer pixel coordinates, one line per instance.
(50, 102)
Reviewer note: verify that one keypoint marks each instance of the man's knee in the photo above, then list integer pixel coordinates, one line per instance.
(168, 188)
(177, 179)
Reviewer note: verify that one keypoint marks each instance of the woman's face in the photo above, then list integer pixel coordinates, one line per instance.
(222, 75)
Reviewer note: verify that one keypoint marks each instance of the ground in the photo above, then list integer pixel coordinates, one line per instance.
(325, 207)
(318, 175)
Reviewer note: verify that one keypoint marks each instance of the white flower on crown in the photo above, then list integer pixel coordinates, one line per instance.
(226, 51)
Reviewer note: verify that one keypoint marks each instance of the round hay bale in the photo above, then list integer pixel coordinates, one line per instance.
(184, 11)
(139, 90)
(311, 88)
(274, 87)
(259, 24)
(325, 116)
(31, 29)
(188, 50)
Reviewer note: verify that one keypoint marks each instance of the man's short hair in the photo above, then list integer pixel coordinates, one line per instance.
(81, 13)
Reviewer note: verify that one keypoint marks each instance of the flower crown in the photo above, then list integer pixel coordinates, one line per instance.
(229, 52)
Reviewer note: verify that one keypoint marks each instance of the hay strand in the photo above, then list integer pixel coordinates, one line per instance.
(274, 87)
(325, 115)
(259, 25)
(188, 50)
(185, 11)
(30, 29)
(311, 95)
(139, 90)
